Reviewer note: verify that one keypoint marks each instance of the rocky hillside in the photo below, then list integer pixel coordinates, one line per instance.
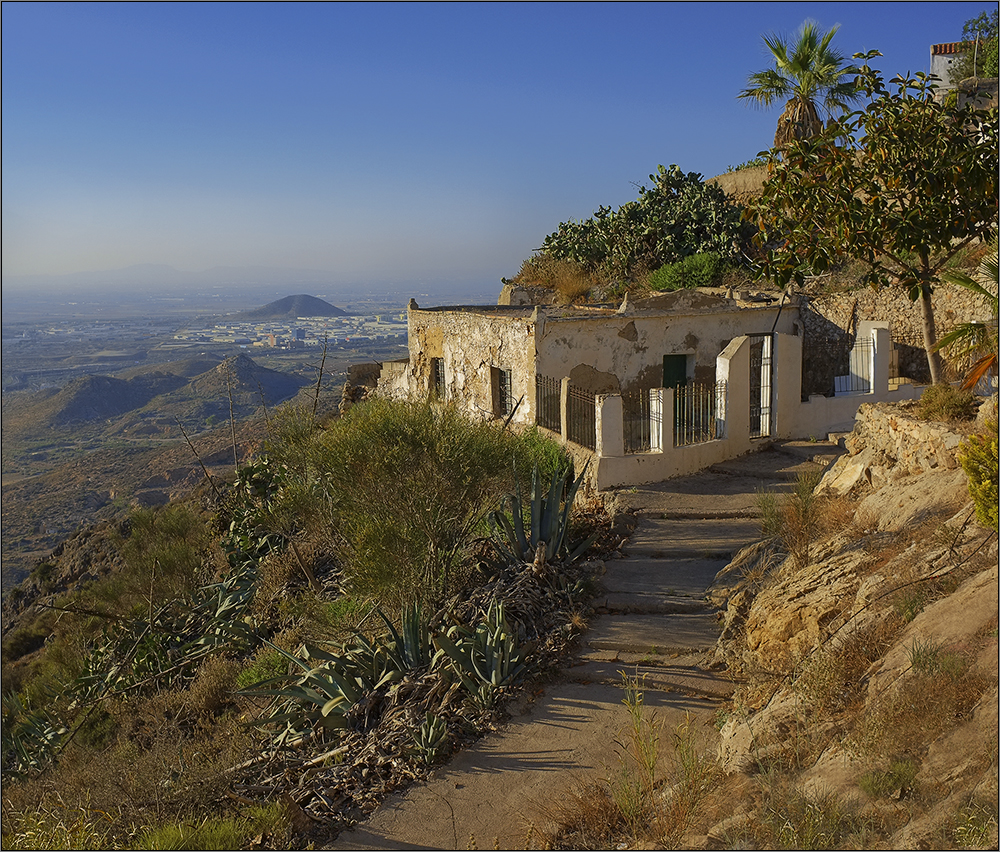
(863, 640)
(149, 402)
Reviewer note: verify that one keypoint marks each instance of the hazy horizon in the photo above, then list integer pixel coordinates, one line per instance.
(374, 145)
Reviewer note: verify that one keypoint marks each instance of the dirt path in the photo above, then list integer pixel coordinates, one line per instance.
(653, 622)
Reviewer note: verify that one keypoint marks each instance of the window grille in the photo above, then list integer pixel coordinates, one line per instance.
(582, 418)
(437, 378)
(547, 397)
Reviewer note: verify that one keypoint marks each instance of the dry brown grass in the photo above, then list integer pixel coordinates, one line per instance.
(931, 698)
(642, 803)
(570, 280)
(832, 680)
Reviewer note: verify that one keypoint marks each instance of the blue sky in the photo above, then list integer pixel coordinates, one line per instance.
(382, 142)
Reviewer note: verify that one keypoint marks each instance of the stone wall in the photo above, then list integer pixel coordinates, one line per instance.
(889, 443)
(830, 324)
(473, 343)
(907, 444)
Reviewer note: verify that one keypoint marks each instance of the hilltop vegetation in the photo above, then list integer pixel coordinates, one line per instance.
(215, 649)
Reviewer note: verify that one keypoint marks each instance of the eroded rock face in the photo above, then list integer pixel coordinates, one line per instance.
(912, 533)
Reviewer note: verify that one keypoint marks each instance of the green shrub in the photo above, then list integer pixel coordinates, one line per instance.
(402, 489)
(697, 270)
(945, 403)
(260, 821)
(268, 663)
(978, 457)
(897, 779)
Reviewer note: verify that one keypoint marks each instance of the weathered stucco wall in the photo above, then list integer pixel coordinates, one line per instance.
(620, 352)
(831, 321)
(471, 343)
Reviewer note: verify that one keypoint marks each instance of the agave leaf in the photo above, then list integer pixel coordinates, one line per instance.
(581, 548)
(347, 685)
(334, 722)
(461, 660)
(314, 653)
(290, 657)
(514, 546)
(332, 705)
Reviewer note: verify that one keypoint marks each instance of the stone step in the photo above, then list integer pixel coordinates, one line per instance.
(624, 603)
(673, 677)
(660, 577)
(660, 538)
(653, 634)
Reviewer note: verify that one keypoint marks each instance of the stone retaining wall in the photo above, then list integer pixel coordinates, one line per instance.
(830, 324)
(902, 440)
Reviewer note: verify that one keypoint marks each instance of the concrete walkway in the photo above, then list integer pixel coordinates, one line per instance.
(653, 622)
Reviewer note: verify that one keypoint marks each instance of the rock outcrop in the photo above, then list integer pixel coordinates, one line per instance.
(878, 653)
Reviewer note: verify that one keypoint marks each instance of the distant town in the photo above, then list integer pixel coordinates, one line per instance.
(336, 332)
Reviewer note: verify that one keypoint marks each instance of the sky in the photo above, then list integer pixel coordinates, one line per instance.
(380, 143)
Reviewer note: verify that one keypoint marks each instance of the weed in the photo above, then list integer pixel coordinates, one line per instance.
(632, 805)
(260, 821)
(54, 825)
(787, 819)
(794, 517)
(770, 514)
(928, 657)
(894, 781)
(976, 826)
(947, 404)
(634, 783)
(909, 603)
(926, 702)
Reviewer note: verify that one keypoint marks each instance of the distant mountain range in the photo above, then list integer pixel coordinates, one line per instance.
(160, 394)
(292, 307)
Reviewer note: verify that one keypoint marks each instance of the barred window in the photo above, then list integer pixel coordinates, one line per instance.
(503, 393)
(437, 378)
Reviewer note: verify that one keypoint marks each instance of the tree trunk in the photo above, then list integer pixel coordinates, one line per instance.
(930, 333)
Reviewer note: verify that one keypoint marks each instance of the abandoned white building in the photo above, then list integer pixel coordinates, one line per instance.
(648, 390)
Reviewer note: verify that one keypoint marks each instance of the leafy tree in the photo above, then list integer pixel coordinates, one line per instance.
(980, 56)
(808, 75)
(901, 185)
(680, 215)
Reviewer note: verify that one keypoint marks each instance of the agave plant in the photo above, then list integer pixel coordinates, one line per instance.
(487, 657)
(430, 739)
(549, 521)
(326, 685)
(29, 737)
(316, 695)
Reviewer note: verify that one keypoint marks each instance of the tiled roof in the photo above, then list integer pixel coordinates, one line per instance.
(949, 48)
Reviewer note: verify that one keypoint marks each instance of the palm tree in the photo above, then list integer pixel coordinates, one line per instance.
(807, 74)
(976, 340)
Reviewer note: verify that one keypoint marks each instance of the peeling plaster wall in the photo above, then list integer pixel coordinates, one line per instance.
(612, 353)
(471, 343)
